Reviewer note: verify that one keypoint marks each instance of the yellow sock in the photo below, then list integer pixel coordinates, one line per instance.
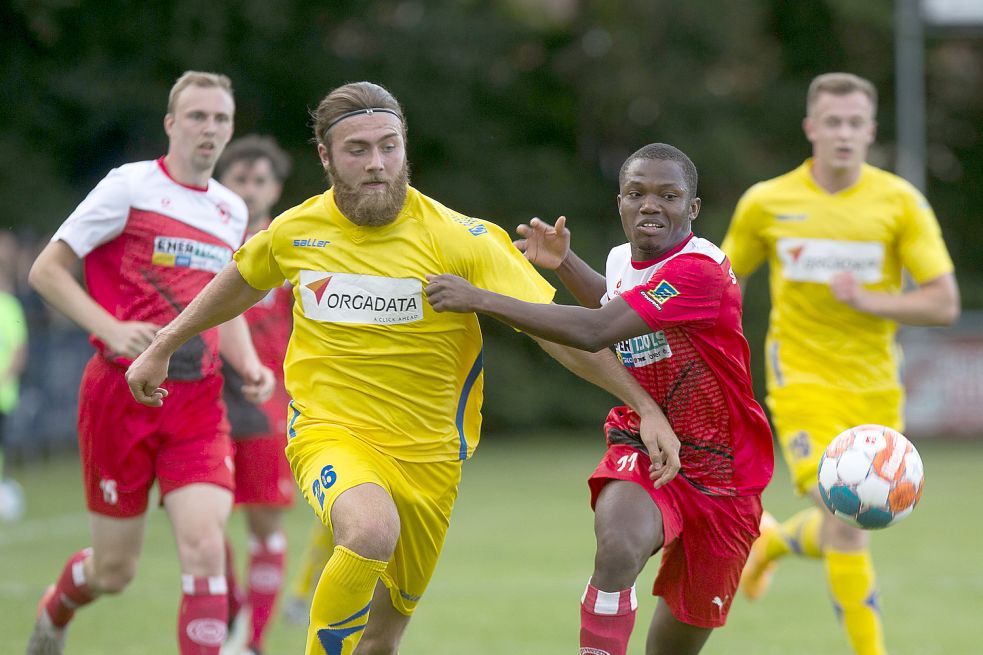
(316, 554)
(851, 581)
(341, 602)
(799, 535)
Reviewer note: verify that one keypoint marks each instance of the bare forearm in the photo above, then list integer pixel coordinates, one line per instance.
(236, 345)
(932, 304)
(223, 299)
(602, 369)
(576, 327)
(52, 278)
(586, 284)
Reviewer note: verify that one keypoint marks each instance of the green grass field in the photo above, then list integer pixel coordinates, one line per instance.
(517, 557)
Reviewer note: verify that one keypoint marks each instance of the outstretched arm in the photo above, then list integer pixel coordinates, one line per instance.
(224, 298)
(579, 327)
(933, 303)
(604, 370)
(548, 246)
(53, 276)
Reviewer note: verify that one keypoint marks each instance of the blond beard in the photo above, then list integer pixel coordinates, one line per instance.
(374, 210)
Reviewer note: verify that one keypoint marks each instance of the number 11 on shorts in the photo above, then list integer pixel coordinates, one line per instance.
(628, 461)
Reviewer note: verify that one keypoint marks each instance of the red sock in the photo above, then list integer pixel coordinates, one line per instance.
(265, 580)
(606, 620)
(201, 623)
(71, 591)
(234, 593)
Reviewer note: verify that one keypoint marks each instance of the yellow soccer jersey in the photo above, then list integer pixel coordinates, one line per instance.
(874, 229)
(368, 354)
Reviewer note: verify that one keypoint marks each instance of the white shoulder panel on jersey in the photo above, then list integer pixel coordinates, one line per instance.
(145, 186)
(621, 276)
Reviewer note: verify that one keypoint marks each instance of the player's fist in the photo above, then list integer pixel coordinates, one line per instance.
(450, 293)
(144, 377)
(259, 384)
(845, 288)
(129, 338)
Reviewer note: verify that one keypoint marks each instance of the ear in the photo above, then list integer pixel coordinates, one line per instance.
(168, 123)
(694, 208)
(322, 153)
(807, 128)
(873, 132)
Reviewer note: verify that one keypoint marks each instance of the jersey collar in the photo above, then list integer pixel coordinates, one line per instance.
(163, 167)
(640, 266)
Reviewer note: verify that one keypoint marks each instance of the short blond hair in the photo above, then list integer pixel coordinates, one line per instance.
(840, 84)
(198, 78)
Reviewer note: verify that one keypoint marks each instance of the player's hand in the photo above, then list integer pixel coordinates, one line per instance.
(663, 446)
(450, 293)
(259, 384)
(145, 375)
(543, 244)
(846, 288)
(129, 338)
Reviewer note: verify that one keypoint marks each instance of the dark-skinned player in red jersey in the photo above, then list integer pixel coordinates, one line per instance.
(670, 307)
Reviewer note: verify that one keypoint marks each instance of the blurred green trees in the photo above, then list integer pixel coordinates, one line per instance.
(516, 108)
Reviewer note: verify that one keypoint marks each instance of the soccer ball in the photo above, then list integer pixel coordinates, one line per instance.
(871, 476)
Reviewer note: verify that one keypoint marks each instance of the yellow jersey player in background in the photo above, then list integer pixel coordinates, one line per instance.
(386, 393)
(837, 233)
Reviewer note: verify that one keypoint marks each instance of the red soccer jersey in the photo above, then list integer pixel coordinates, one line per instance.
(149, 244)
(695, 364)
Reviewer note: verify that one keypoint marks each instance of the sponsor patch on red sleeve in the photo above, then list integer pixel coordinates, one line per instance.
(661, 294)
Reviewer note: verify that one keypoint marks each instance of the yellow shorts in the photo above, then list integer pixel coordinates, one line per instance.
(806, 419)
(327, 462)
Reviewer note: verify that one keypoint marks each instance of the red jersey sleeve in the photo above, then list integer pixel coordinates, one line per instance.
(686, 291)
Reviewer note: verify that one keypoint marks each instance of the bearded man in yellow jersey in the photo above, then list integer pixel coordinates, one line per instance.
(837, 233)
(386, 392)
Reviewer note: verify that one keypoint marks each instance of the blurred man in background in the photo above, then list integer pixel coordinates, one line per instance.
(255, 167)
(150, 236)
(836, 233)
(386, 393)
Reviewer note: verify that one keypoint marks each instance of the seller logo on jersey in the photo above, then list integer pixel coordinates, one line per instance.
(661, 294)
(817, 260)
(189, 253)
(310, 243)
(367, 299)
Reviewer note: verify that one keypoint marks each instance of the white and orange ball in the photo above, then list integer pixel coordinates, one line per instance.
(871, 476)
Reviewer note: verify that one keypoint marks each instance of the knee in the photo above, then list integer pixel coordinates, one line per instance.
(201, 553)
(839, 535)
(113, 576)
(371, 529)
(372, 540)
(619, 559)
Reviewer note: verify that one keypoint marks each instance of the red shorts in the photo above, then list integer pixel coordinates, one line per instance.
(124, 445)
(707, 538)
(263, 476)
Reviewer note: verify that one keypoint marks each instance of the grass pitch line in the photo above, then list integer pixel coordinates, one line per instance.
(41, 529)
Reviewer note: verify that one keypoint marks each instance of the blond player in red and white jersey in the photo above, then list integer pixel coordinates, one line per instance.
(150, 236)
(836, 234)
(255, 167)
(670, 307)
